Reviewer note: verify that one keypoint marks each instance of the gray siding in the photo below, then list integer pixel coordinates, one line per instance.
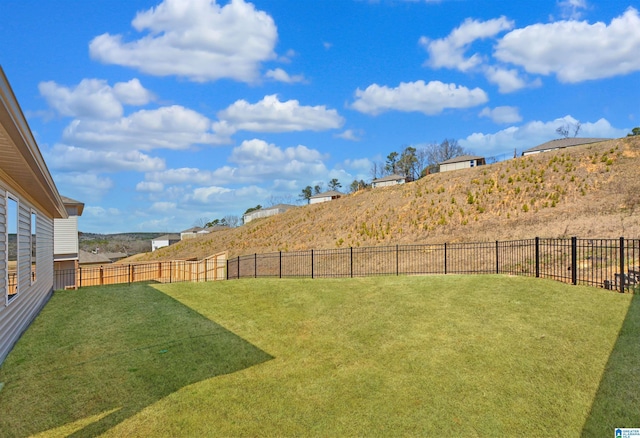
(16, 316)
(66, 235)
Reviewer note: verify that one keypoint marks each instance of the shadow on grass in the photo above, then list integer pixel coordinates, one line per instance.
(113, 350)
(617, 401)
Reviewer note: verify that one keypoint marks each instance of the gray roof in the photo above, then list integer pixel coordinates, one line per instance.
(560, 143)
(192, 230)
(462, 158)
(279, 207)
(168, 237)
(89, 257)
(68, 201)
(393, 177)
(331, 193)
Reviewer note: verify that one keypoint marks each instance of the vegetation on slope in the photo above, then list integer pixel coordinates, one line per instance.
(589, 190)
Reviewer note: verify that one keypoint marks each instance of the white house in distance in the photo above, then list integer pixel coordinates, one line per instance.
(65, 245)
(193, 232)
(324, 197)
(389, 180)
(266, 212)
(164, 240)
(29, 203)
(461, 162)
(561, 143)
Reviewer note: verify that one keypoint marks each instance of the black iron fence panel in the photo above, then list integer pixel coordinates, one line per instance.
(608, 263)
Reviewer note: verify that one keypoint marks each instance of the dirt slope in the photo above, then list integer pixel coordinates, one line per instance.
(584, 191)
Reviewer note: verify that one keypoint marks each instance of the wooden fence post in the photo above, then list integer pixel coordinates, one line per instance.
(445, 258)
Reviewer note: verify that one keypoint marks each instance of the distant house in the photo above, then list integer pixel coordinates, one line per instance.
(324, 197)
(193, 232)
(461, 162)
(65, 245)
(164, 240)
(389, 180)
(561, 143)
(29, 204)
(87, 259)
(266, 212)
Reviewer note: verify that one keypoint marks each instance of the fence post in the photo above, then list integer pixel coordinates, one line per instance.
(227, 270)
(130, 274)
(280, 264)
(170, 271)
(351, 261)
(397, 262)
(574, 260)
(255, 265)
(101, 275)
(537, 257)
(238, 267)
(497, 261)
(311, 263)
(445, 258)
(622, 275)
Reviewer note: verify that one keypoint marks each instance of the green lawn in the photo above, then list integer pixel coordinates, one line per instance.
(428, 356)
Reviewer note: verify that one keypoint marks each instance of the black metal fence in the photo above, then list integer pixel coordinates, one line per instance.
(608, 263)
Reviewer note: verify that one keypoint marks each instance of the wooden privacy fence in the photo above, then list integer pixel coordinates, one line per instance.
(174, 271)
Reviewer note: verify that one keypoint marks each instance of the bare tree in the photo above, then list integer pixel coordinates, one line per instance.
(437, 153)
(567, 128)
(232, 220)
(377, 170)
(201, 222)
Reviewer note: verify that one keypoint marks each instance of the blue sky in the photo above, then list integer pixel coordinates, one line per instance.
(159, 114)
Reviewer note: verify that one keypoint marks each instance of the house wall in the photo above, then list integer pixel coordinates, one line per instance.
(15, 316)
(319, 200)
(388, 183)
(262, 213)
(456, 166)
(65, 236)
(156, 244)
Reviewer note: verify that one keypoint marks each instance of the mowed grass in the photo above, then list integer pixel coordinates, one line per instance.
(428, 356)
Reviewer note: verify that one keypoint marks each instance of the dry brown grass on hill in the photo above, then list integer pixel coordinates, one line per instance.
(586, 191)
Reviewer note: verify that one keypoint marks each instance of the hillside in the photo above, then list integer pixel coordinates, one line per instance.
(585, 191)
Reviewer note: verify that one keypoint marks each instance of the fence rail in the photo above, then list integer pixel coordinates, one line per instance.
(608, 263)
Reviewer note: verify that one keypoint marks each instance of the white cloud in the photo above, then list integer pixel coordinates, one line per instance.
(534, 133)
(172, 127)
(163, 207)
(71, 158)
(149, 186)
(575, 51)
(205, 195)
(280, 75)
(255, 162)
(350, 134)
(502, 114)
(91, 98)
(431, 98)
(449, 52)
(572, 9)
(97, 211)
(133, 93)
(89, 185)
(508, 80)
(196, 39)
(272, 115)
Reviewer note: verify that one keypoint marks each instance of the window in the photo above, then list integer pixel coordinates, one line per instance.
(12, 247)
(34, 227)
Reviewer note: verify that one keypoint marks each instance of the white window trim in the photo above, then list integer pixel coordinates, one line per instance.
(33, 227)
(13, 197)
